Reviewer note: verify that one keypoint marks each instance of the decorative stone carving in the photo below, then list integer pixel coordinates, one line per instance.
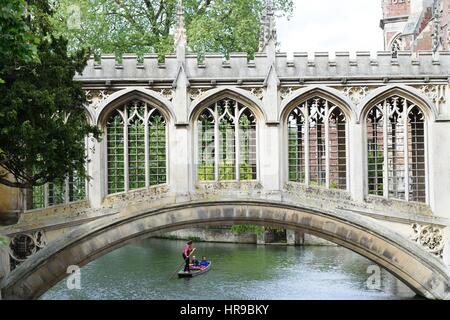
(94, 97)
(195, 93)
(436, 93)
(24, 245)
(356, 94)
(257, 92)
(286, 91)
(430, 237)
(167, 93)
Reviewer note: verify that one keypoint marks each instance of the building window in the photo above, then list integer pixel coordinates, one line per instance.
(226, 142)
(136, 147)
(317, 152)
(71, 189)
(396, 150)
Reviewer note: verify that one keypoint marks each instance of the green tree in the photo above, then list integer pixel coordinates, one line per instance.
(42, 120)
(17, 42)
(144, 26)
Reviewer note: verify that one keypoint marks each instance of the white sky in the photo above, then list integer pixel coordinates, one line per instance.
(332, 25)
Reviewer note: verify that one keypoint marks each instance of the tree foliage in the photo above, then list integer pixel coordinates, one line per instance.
(17, 42)
(145, 26)
(42, 120)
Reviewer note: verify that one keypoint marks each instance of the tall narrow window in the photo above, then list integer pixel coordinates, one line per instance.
(136, 147)
(115, 149)
(375, 150)
(206, 148)
(226, 142)
(317, 151)
(396, 150)
(157, 146)
(416, 144)
(337, 149)
(317, 157)
(296, 145)
(247, 142)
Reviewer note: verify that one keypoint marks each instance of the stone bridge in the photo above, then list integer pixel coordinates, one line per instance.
(351, 149)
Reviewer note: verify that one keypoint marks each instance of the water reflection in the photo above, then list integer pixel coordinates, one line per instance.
(141, 270)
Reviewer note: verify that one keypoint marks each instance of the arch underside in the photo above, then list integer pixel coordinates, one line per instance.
(425, 275)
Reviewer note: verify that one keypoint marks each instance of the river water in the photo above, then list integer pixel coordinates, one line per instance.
(141, 270)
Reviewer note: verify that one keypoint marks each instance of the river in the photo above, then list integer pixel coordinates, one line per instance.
(141, 270)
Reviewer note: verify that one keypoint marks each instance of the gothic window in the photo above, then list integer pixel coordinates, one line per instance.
(317, 152)
(396, 150)
(136, 147)
(226, 142)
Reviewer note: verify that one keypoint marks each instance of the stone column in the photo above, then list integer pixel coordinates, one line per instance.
(96, 188)
(294, 238)
(357, 174)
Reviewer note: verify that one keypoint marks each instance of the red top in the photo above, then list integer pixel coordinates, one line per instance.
(186, 250)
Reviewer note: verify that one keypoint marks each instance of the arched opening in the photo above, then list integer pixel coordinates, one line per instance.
(136, 147)
(317, 144)
(396, 150)
(226, 142)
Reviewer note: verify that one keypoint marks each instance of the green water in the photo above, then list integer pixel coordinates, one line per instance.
(141, 270)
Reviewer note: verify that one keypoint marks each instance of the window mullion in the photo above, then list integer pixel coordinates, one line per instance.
(147, 147)
(327, 146)
(46, 194)
(406, 148)
(237, 143)
(216, 143)
(306, 141)
(386, 151)
(125, 150)
(66, 190)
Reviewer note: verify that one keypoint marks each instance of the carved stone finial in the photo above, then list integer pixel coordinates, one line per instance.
(180, 32)
(268, 28)
(436, 36)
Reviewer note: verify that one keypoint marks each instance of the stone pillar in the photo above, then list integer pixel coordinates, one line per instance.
(96, 188)
(294, 238)
(356, 175)
(261, 238)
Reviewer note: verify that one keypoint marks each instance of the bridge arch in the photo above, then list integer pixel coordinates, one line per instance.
(426, 275)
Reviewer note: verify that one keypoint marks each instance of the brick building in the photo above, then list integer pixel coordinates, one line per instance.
(416, 25)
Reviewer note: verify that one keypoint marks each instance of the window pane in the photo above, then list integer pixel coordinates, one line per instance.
(247, 140)
(157, 152)
(296, 149)
(115, 149)
(206, 148)
(416, 147)
(375, 150)
(337, 150)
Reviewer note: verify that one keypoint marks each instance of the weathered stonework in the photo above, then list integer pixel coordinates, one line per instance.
(429, 237)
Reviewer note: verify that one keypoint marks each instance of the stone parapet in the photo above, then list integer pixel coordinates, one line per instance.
(239, 66)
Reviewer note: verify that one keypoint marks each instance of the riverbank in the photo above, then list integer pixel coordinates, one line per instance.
(225, 235)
